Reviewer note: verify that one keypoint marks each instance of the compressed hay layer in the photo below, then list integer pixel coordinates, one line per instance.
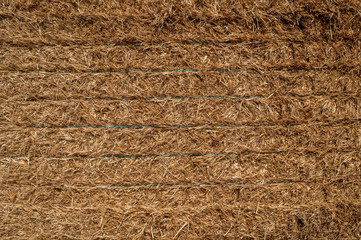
(180, 57)
(214, 119)
(158, 212)
(290, 166)
(177, 141)
(212, 221)
(288, 194)
(60, 86)
(109, 22)
(184, 112)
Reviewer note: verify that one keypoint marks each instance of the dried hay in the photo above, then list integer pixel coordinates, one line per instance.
(185, 119)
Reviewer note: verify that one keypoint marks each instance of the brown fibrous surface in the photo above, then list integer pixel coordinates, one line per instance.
(186, 119)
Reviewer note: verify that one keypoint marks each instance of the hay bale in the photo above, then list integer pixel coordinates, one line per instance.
(185, 119)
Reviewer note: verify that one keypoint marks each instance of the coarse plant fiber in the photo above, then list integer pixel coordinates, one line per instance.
(185, 119)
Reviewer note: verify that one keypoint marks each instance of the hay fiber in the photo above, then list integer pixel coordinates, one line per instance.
(188, 119)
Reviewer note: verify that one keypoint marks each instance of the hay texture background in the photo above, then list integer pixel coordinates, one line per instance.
(183, 119)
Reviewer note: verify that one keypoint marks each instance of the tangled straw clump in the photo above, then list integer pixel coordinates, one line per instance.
(185, 119)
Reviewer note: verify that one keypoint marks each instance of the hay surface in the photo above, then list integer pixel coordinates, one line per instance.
(268, 56)
(185, 119)
(147, 21)
(46, 86)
